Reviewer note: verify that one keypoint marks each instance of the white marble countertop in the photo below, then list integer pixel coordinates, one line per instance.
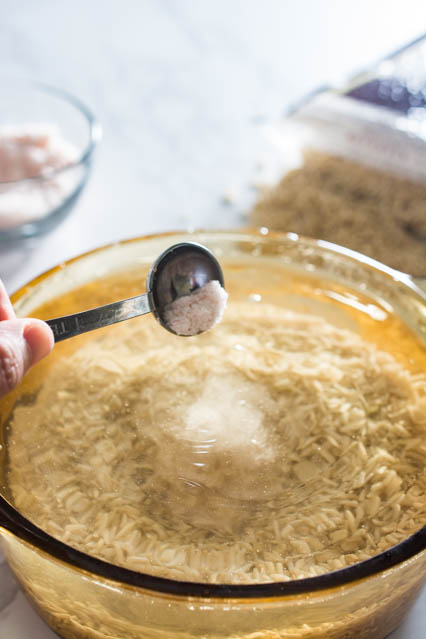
(180, 87)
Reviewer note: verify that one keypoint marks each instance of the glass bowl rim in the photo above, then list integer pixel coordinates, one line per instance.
(95, 128)
(16, 524)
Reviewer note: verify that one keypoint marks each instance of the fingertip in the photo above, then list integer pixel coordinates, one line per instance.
(6, 308)
(39, 338)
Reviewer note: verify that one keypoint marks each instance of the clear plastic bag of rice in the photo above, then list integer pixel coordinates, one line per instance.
(350, 166)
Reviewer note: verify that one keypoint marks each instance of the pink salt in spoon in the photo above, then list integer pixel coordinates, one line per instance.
(185, 291)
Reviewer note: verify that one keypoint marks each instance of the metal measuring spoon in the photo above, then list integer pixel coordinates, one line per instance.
(178, 271)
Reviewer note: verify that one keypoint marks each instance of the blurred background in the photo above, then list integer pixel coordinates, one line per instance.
(184, 91)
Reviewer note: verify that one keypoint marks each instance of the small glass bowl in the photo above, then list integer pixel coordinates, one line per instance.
(28, 105)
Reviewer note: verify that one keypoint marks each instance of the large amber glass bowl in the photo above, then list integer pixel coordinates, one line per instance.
(82, 597)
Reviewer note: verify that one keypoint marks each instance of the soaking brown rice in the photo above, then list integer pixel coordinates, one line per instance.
(275, 447)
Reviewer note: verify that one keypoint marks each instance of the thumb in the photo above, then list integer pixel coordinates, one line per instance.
(23, 342)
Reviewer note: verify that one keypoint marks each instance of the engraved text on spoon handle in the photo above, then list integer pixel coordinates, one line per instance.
(71, 325)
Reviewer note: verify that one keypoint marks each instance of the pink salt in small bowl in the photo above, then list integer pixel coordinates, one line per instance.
(47, 140)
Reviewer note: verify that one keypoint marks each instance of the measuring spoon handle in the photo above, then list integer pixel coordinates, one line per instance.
(71, 325)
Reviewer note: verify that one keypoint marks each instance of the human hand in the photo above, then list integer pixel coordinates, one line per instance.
(23, 342)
